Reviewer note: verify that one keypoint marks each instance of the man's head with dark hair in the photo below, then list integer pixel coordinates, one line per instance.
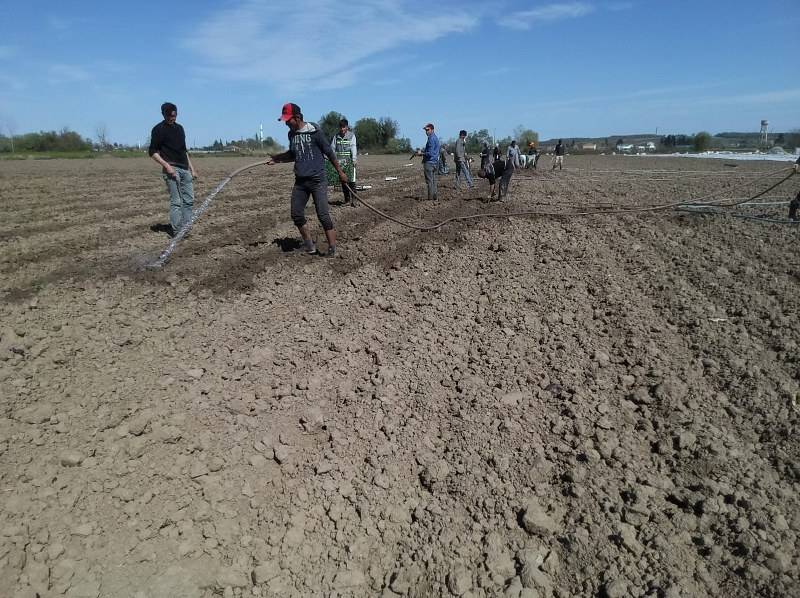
(343, 122)
(462, 133)
(559, 141)
(167, 108)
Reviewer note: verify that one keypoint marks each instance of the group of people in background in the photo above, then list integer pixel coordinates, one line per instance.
(494, 167)
(308, 150)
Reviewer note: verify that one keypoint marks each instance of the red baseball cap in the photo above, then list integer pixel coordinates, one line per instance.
(290, 110)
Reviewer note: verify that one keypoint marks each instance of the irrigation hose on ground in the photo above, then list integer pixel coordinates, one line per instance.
(528, 213)
(681, 205)
(162, 259)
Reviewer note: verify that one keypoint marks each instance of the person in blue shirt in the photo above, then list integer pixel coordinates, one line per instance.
(430, 161)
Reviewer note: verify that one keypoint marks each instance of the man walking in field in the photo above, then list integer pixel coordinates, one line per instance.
(462, 166)
(430, 161)
(558, 157)
(307, 149)
(344, 145)
(168, 148)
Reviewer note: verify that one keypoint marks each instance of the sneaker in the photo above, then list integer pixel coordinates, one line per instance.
(331, 252)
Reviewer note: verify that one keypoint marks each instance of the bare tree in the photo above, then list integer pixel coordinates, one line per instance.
(12, 132)
(101, 132)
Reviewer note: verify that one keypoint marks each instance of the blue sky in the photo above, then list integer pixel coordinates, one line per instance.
(564, 69)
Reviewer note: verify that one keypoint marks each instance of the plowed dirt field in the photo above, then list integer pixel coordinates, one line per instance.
(523, 407)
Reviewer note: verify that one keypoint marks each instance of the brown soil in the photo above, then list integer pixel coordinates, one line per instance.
(594, 406)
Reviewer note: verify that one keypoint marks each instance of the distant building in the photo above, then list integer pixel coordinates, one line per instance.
(588, 146)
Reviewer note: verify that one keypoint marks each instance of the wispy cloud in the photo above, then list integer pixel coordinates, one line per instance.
(9, 83)
(617, 6)
(7, 52)
(67, 73)
(58, 23)
(768, 97)
(332, 49)
(649, 96)
(525, 19)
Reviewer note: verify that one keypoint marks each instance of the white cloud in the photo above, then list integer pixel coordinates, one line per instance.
(526, 19)
(617, 6)
(7, 52)
(767, 97)
(323, 44)
(58, 23)
(8, 83)
(67, 73)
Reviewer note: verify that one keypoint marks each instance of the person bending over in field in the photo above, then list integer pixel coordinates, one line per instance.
(307, 149)
(168, 148)
(491, 172)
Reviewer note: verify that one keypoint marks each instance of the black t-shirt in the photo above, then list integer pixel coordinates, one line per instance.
(170, 143)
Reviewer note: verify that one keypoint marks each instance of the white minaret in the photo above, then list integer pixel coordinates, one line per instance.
(261, 134)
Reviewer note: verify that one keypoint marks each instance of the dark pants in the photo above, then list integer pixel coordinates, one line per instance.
(430, 178)
(505, 181)
(793, 205)
(318, 188)
(347, 190)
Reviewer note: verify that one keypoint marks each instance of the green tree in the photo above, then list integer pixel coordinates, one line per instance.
(368, 133)
(701, 141)
(525, 136)
(792, 140)
(398, 146)
(476, 139)
(388, 129)
(329, 123)
(52, 141)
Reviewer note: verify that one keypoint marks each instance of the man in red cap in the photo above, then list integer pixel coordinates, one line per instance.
(307, 149)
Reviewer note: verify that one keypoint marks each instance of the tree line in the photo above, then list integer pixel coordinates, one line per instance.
(45, 141)
(372, 134)
(476, 140)
(250, 143)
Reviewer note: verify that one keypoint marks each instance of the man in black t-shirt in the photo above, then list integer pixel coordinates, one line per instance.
(168, 148)
(558, 156)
